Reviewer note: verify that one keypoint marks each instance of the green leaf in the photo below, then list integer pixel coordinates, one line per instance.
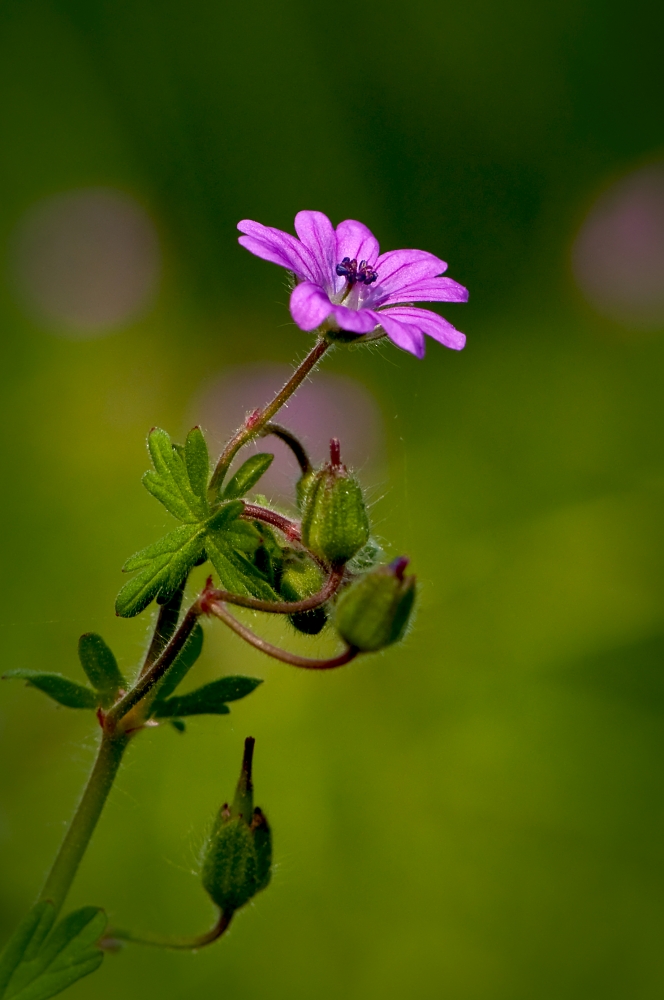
(170, 482)
(197, 461)
(68, 954)
(210, 699)
(30, 929)
(163, 566)
(57, 687)
(247, 475)
(236, 573)
(179, 725)
(183, 663)
(101, 667)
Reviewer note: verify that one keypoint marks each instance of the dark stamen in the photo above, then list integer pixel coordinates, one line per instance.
(349, 270)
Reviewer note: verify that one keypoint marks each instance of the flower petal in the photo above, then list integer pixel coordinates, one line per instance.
(424, 321)
(278, 247)
(309, 305)
(398, 268)
(354, 240)
(404, 335)
(317, 233)
(355, 320)
(426, 290)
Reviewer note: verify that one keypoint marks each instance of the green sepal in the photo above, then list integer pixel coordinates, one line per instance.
(57, 687)
(163, 566)
(230, 866)
(171, 481)
(197, 461)
(101, 667)
(263, 848)
(179, 725)
(68, 954)
(247, 475)
(300, 578)
(183, 663)
(207, 700)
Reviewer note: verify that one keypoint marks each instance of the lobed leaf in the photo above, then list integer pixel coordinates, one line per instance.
(210, 699)
(68, 954)
(57, 687)
(170, 483)
(30, 929)
(236, 573)
(197, 461)
(247, 475)
(101, 667)
(163, 566)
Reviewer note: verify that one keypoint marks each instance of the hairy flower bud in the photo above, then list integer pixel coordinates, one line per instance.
(374, 611)
(300, 578)
(335, 524)
(238, 856)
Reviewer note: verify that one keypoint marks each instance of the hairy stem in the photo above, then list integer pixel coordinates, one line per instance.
(292, 442)
(255, 423)
(156, 671)
(167, 621)
(85, 819)
(329, 588)
(220, 611)
(159, 941)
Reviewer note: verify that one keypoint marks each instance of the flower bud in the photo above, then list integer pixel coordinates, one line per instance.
(334, 523)
(300, 578)
(238, 856)
(374, 611)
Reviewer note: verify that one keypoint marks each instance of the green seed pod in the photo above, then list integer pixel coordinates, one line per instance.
(238, 857)
(300, 578)
(374, 611)
(335, 524)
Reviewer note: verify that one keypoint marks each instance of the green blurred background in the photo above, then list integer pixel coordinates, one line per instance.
(477, 815)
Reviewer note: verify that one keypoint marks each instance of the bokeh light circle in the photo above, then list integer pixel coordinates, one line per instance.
(86, 261)
(618, 255)
(329, 406)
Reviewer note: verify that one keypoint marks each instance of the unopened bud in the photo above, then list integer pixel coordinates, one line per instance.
(300, 578)
(374, 611)
(334, 523)
(238, 857)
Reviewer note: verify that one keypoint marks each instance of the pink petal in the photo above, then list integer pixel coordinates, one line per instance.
(309, 305)
(354, 240)
(317, 233)
(398, 268)
(278, 247)
(355, 320)
(425, 290)
(424, 321)
(404, 335)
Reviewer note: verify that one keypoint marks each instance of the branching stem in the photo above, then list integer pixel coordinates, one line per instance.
(329, 588)
(220, 611)
(256, 421)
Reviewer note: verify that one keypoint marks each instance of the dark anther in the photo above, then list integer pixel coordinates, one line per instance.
(366, 273)
(349, 269)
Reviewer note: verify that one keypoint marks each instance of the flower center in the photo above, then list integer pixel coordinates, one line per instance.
(352, 271)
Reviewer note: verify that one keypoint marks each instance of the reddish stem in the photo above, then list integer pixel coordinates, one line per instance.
(280, 654)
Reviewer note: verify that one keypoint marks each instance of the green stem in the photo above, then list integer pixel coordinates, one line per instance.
(167, 621)
(85, 819)
(254, 424)
(148, 680)
(178, 943)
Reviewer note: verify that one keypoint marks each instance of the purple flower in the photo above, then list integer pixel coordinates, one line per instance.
(345, 282)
